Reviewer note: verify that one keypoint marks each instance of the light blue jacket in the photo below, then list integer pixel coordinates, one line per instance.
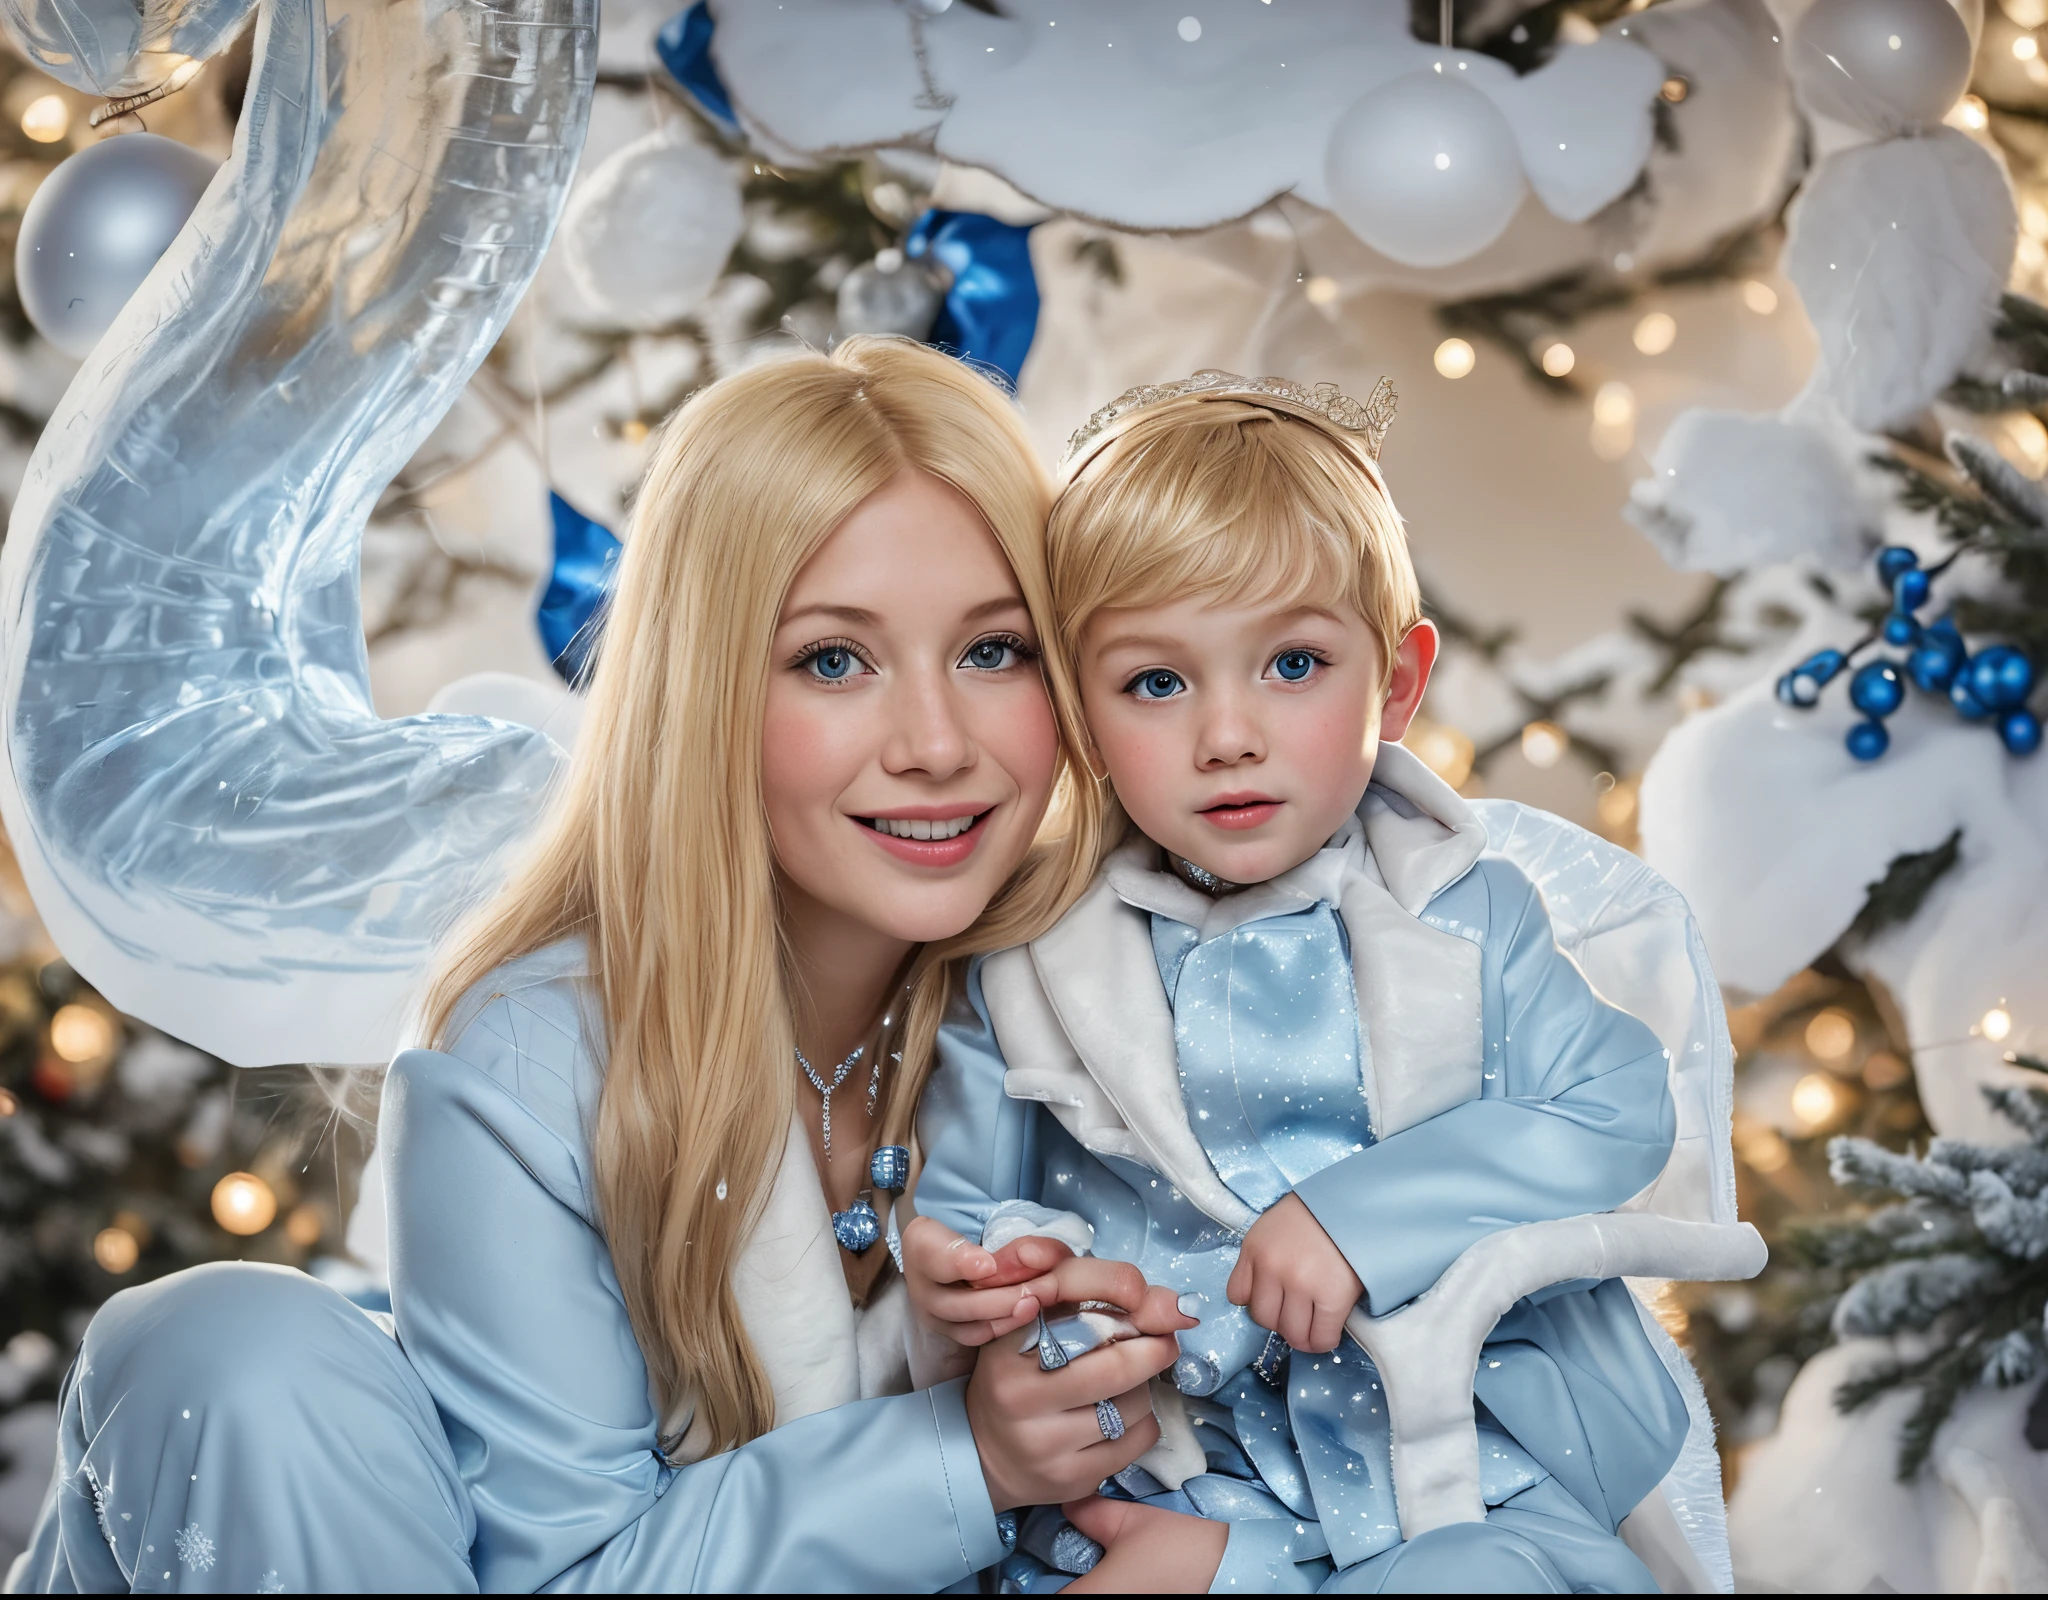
(508, 1307)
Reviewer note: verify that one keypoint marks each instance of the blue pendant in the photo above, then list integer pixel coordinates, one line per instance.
(889, 1168)
(857, 1227)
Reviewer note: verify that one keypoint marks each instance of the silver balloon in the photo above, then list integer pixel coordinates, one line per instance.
(1888, 67)
(95, 228)
(119, 47)
(217, 828)
(889, 295)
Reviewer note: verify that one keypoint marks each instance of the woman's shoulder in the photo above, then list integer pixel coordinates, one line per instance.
(533, 1026)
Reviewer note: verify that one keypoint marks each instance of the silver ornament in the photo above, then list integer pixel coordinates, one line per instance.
(648, 233)
(1425, 170)
(96, 227)
(889, 295)
(1888, 67)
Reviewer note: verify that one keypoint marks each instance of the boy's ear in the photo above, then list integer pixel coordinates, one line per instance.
(1410, 677)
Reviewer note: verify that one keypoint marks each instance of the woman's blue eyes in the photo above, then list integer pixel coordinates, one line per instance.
(834, 662)
(1293, 665)
(1156, 685)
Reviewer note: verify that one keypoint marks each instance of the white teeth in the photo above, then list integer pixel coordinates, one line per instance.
(948, 829)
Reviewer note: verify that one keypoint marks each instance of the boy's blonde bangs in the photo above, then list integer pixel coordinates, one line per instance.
(1213, 498)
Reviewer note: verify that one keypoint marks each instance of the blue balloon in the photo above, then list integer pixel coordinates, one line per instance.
(2001, 677)
(684, 46)
(1867, 740)
(1894, 559)
(570, 619)
(1966, 703)
(1931, 667)
(2021, 731)
(1877, 689)
(990, 313)
(1909, 590)
(1901, 631)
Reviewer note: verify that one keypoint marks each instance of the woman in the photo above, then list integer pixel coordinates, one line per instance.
(629, 1354)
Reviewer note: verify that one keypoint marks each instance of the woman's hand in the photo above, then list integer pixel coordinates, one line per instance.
(1037, 1432)
(1147, 1549)
(964, 1293)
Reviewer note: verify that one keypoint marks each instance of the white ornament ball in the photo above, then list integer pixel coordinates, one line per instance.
(648, 233)
(96, 226)
(889, 295)
(1425, 170)
(1888, 67)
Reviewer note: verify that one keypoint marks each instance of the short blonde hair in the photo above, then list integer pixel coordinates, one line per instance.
(1225, 498)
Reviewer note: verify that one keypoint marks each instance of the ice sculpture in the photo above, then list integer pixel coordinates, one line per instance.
(218, 829)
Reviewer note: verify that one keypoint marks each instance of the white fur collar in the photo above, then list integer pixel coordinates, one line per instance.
(1084, 1022)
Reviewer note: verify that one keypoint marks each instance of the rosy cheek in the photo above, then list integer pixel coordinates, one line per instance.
(806, 763)
(1018, 732)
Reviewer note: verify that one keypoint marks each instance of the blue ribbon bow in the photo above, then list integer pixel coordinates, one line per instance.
(571, 615)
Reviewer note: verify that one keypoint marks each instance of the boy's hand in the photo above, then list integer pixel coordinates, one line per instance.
(1293, 1279)
(968, 1294)
(1147, 1549)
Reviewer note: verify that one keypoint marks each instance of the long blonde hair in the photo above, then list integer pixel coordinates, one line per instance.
(657, 851)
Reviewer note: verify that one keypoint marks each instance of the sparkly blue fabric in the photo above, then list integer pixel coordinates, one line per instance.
(1265, 1028)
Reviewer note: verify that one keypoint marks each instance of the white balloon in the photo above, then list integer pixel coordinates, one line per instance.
(648, 233)
(1889, 67)
(1425, 170)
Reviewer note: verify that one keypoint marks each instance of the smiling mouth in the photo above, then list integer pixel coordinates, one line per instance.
(920, 829)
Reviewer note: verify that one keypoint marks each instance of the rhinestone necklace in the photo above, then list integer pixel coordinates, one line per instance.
(839, 1074)
(1201, 877)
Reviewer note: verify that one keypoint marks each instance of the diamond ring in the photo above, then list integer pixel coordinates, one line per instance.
(1109, 1420)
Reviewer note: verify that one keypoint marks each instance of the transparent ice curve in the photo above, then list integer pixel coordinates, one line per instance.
(219, 831)
(119, 47)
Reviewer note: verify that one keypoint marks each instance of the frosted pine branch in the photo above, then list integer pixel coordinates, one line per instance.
(1860, 1163)
(1910, 1295)
(2017, 1227)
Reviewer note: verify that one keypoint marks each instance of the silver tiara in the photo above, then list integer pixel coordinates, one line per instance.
(1324, 400)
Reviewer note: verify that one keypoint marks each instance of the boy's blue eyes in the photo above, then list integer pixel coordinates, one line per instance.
(1161, 683)
(1156, 685)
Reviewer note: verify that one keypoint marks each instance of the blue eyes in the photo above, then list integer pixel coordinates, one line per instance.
(1158, 684)
(995, 654)
(1163, 683)
(840, 660)
(833, 663)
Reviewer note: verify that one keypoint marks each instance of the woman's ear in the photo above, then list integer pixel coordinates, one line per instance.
(1410, 677)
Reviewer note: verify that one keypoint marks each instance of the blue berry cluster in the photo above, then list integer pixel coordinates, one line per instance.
(1991, 686)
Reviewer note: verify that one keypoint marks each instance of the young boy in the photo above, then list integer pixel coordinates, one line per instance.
(1299, 1046)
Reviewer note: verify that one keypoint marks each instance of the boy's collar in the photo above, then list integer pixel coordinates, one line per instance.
(1418, 838)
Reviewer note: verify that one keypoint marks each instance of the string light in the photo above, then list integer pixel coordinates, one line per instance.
(1760, 297)
(1655, 333)
(79, 1033)
(1454, 358)
(1559, 359)
(1995, 1024)
(8, 1104)
(2024, 442)
(1763, 1149)
(2025, 48)
(1815, 1100)
(1544, 743)
(243, 1203)
(1883, 1070)
(1674, 89)
(1321, 291)
(304, 1227)
(1445, 750)
(633, 431)
(1969, 114)
(116, 1250)
(1614, 420)
(1831, 1034)
(1617, 805)
(46, 119)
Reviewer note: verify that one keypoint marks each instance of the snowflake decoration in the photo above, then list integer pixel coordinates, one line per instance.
(195, 1549)
(270, 1583)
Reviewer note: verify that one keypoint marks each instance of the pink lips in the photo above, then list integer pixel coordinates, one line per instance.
(930, 852)
(1238, 812)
